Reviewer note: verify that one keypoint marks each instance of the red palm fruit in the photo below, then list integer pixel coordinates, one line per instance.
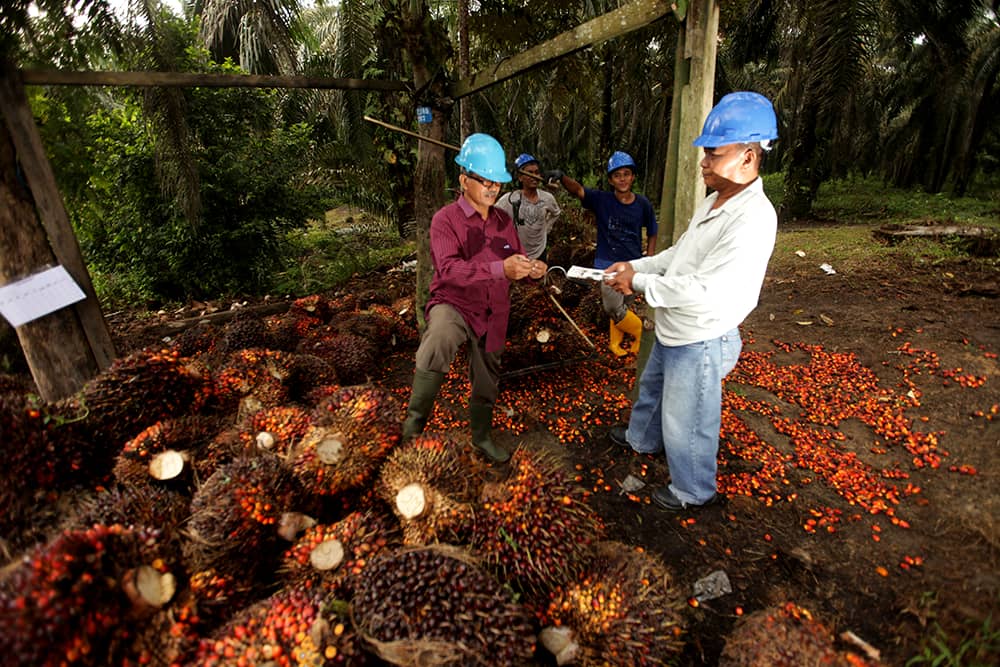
(42, 456)
(250, 372)
(162, 451)
(314, 305)
(274, 429)
(424, 482)
(289, 329)
(622, 610)
(436, 604)
(74, 600)
(132, 394)
(292, 627)
(351, 434)
(352, 356)
(784, 636)
(244, 331)
(337, 553)
(306, 372)
(535, 527)
(241, 516)
(199, 340)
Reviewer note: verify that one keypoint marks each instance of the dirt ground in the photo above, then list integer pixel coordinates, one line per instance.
(858, 458)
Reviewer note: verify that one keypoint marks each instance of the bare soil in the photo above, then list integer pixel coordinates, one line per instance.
(858, 460)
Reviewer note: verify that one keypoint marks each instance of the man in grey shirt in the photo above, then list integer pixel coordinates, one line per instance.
(532, 210)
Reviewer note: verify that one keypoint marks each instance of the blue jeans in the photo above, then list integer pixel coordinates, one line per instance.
(679, 411)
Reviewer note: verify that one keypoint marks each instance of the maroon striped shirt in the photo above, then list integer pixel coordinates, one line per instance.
(468, 253)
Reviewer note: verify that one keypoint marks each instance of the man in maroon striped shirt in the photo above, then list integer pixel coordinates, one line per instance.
(476, 253)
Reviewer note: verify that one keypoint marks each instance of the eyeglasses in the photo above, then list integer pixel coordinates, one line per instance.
(482, 181)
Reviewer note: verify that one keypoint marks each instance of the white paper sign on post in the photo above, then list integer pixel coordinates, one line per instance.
(39, 294)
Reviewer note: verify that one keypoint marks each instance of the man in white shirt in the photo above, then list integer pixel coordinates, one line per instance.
(532, 210)
(701, 289)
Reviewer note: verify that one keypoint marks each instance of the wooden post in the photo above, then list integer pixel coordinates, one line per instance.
(694, 85)
(694, 82)
(65, 348)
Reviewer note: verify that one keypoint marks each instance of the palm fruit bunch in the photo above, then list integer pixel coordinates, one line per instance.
(137, 506)
(785, 636)
(162, 452)
(254, 376)
(241, 514)
(243, 332)
(425, 483)
(40, 458)
(286, 331)
(305, 373)
(401, 327)
(76, 599)
(435, 606)
(133, 393)
(623, 610)
(292, 627)
(201, 339)
(318, 307)
(274, 429)
(370, 324)
(535, 527)
(352, 432)
(352, 356)
(337, 553)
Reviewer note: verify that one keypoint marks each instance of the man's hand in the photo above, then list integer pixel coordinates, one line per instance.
(517, 267)
(619, 277)
(553, 177)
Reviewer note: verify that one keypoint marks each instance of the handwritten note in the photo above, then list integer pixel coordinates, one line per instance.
(39, 294)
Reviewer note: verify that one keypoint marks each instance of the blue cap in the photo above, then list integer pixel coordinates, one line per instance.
(523, 159)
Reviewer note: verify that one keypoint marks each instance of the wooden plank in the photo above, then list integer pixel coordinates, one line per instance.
(51, 211)
(631, 17)
(200, 80)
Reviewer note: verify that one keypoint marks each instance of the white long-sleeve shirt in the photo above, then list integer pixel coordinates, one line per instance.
(709, 281)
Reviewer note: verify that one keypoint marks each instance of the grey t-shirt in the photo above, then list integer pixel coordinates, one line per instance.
(533, 219)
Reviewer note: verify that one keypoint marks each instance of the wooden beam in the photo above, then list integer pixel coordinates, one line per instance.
(199, 80)
(631, 17)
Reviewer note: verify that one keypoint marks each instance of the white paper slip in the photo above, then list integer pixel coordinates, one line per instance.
(588, 274)
(39, 294)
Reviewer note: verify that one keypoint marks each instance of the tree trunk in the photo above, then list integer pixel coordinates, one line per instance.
(55, 345)
(429, 178)
(465, 105)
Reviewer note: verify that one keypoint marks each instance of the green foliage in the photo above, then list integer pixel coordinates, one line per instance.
(978, 646)
(323, 258)
(253, 193)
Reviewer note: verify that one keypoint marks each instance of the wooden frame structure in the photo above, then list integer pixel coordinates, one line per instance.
(66, 348)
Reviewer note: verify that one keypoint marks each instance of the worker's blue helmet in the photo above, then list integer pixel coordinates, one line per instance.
(523, 159)
(483, 155)
(619, 160)
(739, 118)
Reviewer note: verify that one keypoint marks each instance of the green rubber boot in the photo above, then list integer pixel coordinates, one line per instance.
(425, 389)
(481, 420)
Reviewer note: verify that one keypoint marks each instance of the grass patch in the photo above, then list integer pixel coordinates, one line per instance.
(848, 210)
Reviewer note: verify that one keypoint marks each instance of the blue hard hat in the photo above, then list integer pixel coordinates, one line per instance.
(619, 160)
(739, 118)
(483, 155)
(523, 159)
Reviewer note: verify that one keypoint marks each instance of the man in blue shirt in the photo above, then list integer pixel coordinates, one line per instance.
(621, 215)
